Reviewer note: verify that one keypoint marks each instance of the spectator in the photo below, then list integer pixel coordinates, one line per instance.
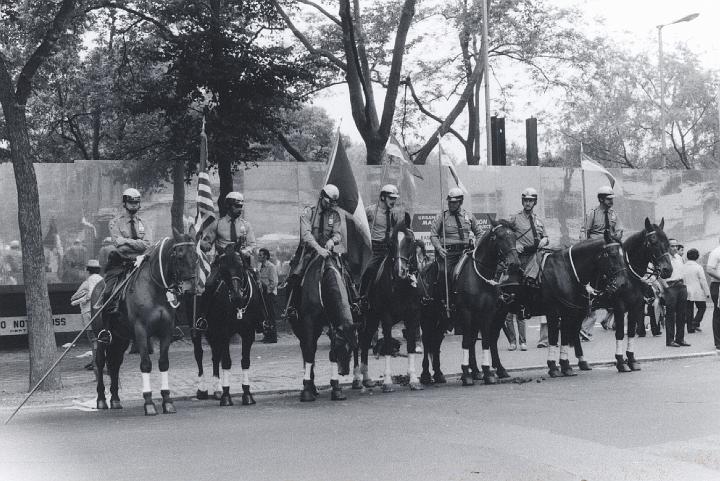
(268, 278)
(713, 270)
(83, 297)
(421, 256)
(74, 262)
(509, 329)
(698, 291)
(675, 300)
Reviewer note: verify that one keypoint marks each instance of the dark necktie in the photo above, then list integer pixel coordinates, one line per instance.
(607, 222)
(233, 232)
(459, 226)
(387, 226)
(321, 226)
(534, 230)
(133, 230)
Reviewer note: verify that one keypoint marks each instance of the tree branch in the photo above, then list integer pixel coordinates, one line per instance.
(289, 148)
(333, 18)
(427, 113)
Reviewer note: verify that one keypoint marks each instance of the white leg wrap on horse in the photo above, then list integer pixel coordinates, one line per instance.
(618, 347)
(217, 383)
(308, 370)
(630, 344)
(201, 383)
(364, 371)
(164, 381)
(411, 367)
(486, 357)
(357, 373)
(466, 357)
(246, 377)
(146, 382)
(581, 358)
(552, 353)
(225, 373)
(334, 371)
(387, 377)
(564, 353)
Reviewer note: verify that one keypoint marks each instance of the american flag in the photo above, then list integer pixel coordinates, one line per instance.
(205, 213)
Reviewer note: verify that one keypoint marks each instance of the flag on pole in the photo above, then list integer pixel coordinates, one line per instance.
(205, 213)
(444, 159)
(590, 165)
(354, 229)
(394, 150)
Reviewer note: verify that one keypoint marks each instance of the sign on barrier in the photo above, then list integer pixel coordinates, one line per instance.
(13, 314)
(15, 326)
(421, 224)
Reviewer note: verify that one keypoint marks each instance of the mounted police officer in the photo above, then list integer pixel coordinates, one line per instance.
(450, 234)
(131, 239)
(382, 217)
(319, 234)
(603, 217)
(230, 229)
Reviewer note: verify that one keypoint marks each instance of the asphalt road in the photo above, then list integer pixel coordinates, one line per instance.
(659, 424)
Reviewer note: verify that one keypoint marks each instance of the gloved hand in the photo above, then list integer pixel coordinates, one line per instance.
(323, 252)
(139, 259)
(442, 252)
(329, 245)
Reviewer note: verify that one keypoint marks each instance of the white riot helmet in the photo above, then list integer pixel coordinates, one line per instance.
(234, 198)
(455, 194)
(330, 192)
(530, 193)
(389, 190)
(605, 192)
(131, 195)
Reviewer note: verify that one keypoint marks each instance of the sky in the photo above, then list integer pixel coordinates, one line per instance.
(632, 23)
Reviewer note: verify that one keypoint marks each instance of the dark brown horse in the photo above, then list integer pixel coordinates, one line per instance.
(649, 246)
(237, 307)
(393, 297)
(325, 302)
(147, 308)
(564, 280)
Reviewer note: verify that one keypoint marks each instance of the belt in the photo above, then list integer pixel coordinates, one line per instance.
(678, 282)
(455, 247)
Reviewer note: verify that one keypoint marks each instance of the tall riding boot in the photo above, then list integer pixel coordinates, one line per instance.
(620, 363)
(632, 362)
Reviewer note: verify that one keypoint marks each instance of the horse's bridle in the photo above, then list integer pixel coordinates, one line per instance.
(501, 256)
(654, 259)
(173, 287)
(604, 253)
(245, 291)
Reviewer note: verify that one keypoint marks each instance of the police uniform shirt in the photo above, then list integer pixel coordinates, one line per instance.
(520, 223)
(219, 232)
(121, 234)
(596, 223)
(317, 235)
(452, 235)
(379, 226)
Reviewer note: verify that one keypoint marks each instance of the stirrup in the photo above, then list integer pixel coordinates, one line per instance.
(200, 324)
(290, 314)
(104, 336)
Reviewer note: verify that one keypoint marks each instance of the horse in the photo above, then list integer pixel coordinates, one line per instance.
(565, 280)
(237, 306)
(478, 298)
(147, 308)
(393, 296)
(324, 301)
(650, 245)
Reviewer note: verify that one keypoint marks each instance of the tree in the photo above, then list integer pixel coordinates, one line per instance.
(31, 35)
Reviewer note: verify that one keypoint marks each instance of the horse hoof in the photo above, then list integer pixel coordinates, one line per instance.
(439, 378)
(467, 380)
(217, 395)
(102, 404)
(150, 409)
(620, 364)
(490, 378)
(248, 399)
(357, 384)
(634, 366)
(502, 373)
(226, 400)
(554, 372)
(477, 375)
(368, 383)
(337, 395)
(115, 404)
(168, 407)
(388, 388)
(306, 395)
(416, 386)
(566, 369)
(201, 395)
(584, 366)
(425, 378)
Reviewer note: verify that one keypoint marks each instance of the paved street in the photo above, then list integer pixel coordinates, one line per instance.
(660, 424)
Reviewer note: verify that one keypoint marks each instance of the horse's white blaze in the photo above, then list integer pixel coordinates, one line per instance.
(146, 382)
(246, 377)
(564, 353)
(225, 373)
(618, 347)
(308, 371)
(164, 381)
(201, 383)
(466, 357)
(387, 376)
(486, 357)
(630, 344)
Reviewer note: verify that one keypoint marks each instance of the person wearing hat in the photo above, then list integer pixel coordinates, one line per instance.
(107, 247)
(675, 300)
(82, 298)
(603, 217)
(382, 217)
(74, 262)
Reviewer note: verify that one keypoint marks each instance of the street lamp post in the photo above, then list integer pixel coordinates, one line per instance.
(687, 18)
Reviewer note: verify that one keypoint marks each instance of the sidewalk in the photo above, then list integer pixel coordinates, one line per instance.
(279, 367)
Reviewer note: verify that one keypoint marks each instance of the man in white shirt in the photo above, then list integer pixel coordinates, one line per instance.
(713, 270)
(675, 300)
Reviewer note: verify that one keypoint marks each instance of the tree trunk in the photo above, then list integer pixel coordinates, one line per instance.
(177, 210)
(375, 149)
(41, 334)
(96, 134)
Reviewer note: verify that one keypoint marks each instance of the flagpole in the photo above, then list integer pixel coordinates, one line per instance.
(442, 220)
(584, 226)
(377, 204)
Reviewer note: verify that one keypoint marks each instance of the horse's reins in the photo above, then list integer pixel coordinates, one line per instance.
(172, 300)
(654, 260)
(500, 255)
